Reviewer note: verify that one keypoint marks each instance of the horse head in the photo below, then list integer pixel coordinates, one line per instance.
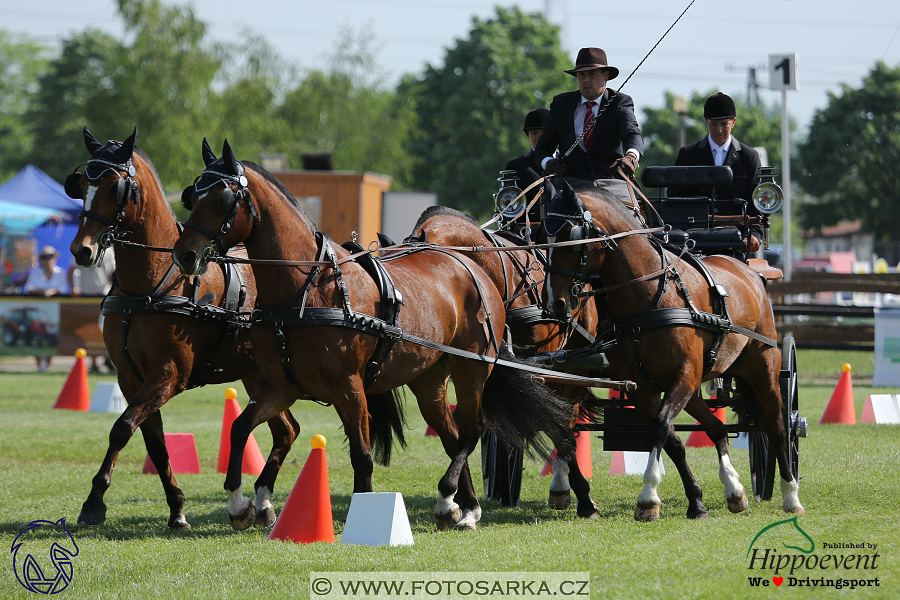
(222, 211)
(568, 219)
(109, 190)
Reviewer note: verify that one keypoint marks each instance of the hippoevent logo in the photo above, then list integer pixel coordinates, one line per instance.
(42, 556)
(784, 554)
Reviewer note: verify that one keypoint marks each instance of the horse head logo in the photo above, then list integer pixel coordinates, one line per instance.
(791, 526)
(30, 550)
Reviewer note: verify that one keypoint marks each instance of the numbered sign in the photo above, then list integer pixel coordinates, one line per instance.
(783, 72)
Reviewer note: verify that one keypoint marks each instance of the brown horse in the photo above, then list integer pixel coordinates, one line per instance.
(518, 274)
(161, 351)
(322, 323)
(713, 317)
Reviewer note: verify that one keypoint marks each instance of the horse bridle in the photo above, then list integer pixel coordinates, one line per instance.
(227, 203)
(126, 189)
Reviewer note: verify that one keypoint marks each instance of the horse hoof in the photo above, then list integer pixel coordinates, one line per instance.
(795, 510)
(448, 520)
(697, 515)
(92, 518)
(466, 524)
(179, 524)
(559, 500)
(588, 511)
(244, 519)
(737, 505)
(646, 513)
(265, 517)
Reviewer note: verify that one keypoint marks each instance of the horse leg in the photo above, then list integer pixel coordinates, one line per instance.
(560, 490)
(692, 490)
(735, 498)
(770, 400)
(430, 389)
(674, 400)
(155, 441)
(585, 507)
(141, 404)
(284, 430)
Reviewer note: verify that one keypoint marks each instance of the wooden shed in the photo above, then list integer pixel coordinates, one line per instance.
(340, 202)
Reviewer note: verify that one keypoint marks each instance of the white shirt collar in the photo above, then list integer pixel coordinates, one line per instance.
(712, 145)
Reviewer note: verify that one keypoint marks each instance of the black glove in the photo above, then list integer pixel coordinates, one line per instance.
(555, 167)
(627, 163)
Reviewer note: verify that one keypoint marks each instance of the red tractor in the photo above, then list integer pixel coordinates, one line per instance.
(22, 324)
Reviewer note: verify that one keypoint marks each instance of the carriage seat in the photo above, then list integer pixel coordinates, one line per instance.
(693, 217)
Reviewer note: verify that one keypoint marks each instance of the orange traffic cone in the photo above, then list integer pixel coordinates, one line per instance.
(582, 454)
(699, 439)
(74, 394)
(840, 408)
(253, 461)
(306, 516)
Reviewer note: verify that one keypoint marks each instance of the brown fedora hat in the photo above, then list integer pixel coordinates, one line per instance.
(592, 58)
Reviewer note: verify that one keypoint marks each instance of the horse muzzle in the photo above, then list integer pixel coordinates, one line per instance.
(189, 262)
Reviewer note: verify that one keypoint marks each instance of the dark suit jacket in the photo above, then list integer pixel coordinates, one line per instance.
(744, 163)
(615, 131)
(528, 170)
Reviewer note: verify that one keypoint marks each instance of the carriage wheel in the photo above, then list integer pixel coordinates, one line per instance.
(763, 462)
(501, 470)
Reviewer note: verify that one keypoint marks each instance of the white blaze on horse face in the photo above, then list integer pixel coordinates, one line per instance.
(651, 480)
(560, 481)
(89, 197)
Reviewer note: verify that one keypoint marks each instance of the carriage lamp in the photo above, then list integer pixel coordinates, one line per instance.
(505, 202)
(767, 198)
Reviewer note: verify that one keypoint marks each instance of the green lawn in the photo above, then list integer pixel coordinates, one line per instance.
(47, 458)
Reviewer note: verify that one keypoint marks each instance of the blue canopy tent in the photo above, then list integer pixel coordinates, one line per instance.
(21, 219)
(34, 187)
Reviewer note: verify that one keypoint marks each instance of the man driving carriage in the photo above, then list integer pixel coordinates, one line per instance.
(594, 129)
(721, 148)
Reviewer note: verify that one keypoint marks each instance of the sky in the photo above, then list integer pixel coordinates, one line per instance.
(712, 47)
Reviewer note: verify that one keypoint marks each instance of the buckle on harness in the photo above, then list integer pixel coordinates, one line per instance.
(392, 332)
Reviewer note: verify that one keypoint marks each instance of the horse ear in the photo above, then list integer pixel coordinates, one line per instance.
(126, 151)
(209, 156)
(228, 155)
(90, 142)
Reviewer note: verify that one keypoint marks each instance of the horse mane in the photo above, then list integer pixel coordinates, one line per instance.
(265, 174)
(614, 204)
(146, 159)
(435, 211)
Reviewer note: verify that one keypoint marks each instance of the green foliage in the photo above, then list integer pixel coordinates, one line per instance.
(849, 160)
(22, 61)
(757, 125)
(471, 109)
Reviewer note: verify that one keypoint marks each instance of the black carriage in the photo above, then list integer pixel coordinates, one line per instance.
(706, 225)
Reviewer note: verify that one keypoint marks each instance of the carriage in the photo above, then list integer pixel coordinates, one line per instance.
(701, 226)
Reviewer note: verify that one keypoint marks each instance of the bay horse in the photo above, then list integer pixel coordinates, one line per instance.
(159, 352)
(321, 325)
(518, 274)
(675, 322)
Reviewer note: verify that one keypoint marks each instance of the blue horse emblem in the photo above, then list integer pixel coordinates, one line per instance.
(33, 540)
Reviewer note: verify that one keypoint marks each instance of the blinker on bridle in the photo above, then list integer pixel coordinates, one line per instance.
(227, 203)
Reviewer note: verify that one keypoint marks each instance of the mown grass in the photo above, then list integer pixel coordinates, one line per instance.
(48, 457)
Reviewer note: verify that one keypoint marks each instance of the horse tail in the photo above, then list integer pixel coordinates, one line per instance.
(522, 411)
(386, 420)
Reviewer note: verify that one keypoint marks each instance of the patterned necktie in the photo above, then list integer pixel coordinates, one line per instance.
(588, 123)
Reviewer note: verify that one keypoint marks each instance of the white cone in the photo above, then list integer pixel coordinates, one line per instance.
(108, 398)
(377, 519)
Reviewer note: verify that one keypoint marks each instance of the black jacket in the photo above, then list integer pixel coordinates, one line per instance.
(615, 131)
(744, 163)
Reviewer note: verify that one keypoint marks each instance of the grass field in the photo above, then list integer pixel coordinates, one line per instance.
(47, 459)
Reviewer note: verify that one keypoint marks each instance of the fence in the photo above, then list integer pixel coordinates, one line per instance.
(829, 326)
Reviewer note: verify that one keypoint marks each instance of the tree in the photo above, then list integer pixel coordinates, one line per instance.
(22, 61)
(848, 163)
(471, 109)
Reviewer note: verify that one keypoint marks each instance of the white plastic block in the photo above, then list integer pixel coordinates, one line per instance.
(108, 398)
(377, 519)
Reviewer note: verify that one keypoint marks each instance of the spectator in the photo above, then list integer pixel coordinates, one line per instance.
(47, 280)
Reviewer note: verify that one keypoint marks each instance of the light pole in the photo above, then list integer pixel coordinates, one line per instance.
(680, 105)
